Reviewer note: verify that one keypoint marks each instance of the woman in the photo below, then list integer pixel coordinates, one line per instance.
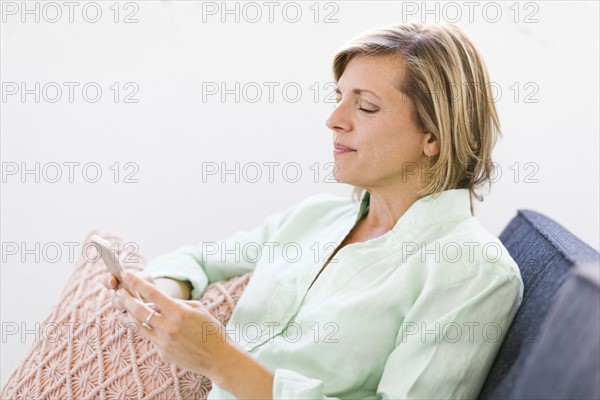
(415, 299)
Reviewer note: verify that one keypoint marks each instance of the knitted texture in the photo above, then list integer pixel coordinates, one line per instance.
(88, 350)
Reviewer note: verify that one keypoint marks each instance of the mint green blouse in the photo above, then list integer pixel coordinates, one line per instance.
(419, 312)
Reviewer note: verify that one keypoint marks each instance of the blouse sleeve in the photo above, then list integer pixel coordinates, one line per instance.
(450, 337)
(291, 385)
(208, 262)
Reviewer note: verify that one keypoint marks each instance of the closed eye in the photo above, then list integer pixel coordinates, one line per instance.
(367, 111)
(364, 110)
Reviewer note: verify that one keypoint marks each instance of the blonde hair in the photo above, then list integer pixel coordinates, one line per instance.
(448, 83)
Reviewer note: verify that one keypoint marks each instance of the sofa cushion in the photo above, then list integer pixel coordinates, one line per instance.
(565, 362)
(545, 253)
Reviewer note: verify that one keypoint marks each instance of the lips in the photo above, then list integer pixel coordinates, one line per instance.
(341, 147)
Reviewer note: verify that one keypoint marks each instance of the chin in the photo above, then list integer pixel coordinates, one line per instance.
(341, 178)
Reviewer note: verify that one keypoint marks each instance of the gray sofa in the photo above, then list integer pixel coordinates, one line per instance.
(552, 350)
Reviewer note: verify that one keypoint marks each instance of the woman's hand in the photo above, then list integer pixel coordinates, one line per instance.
(172, 287)
(183, 332)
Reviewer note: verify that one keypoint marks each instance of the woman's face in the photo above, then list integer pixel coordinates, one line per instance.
(374, 120)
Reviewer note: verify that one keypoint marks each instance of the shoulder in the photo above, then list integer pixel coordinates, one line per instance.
(469, 251)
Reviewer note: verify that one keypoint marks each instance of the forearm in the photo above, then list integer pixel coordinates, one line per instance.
(242, 375)
(174, 288)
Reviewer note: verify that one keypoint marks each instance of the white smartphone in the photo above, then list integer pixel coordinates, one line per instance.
(111, 262)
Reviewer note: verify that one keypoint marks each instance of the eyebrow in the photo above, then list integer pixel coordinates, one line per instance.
(358, 91)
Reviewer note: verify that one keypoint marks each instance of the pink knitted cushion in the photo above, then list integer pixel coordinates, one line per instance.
(87, 351)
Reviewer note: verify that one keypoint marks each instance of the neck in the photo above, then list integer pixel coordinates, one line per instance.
(386, 206)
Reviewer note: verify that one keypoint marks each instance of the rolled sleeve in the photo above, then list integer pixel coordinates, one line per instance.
(208, 262)
(288, 384)
(180, 265)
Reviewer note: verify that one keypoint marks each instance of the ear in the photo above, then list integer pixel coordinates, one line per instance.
(431, 145)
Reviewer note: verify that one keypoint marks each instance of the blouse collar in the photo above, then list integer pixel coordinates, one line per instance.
(433, 208)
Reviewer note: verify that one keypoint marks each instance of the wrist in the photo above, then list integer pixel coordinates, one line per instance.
(240, 374)
(226, 361)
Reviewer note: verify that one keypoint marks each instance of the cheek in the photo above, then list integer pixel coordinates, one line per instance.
(392, 154)
(384, 147)
(389, 139)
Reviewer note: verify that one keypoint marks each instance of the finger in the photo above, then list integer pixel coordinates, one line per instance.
(117, 301)
(138, 310)
(138, 327)
(149, 292)
(109, 281)
(191, 303)
(147, 278)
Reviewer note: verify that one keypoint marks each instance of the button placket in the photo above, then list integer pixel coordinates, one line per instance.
(296, 278)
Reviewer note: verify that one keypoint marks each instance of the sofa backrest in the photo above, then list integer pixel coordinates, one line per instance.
(546, 253)
(565, 362)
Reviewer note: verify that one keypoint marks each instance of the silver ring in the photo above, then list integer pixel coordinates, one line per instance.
(146, 323)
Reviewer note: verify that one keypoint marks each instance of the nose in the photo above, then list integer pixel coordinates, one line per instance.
(338, 120)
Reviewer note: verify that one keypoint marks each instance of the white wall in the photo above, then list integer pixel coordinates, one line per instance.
(170, 132)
